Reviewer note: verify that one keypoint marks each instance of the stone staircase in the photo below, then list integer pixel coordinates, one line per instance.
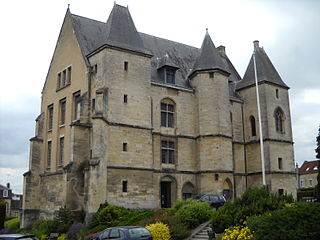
(200, 233)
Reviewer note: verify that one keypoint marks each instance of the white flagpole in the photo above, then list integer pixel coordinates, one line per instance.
(259, 116)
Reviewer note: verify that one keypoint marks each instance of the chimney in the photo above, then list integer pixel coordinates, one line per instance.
(256, 44)
(8, 185)
(222, 50)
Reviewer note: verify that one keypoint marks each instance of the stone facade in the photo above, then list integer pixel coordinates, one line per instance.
(101, 133)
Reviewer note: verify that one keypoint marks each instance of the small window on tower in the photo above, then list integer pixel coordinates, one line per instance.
(124, 186)
(211, 75)
(124, 147)
(125, 98)
(216, 177)
(280, 163)
(277, 93)
(126, 66)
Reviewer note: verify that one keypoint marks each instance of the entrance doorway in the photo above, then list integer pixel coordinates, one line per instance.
(227, 189)
(165, 194)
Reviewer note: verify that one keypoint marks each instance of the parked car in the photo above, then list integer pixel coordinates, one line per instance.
(214, 200)
(125, 233)
(17, 236)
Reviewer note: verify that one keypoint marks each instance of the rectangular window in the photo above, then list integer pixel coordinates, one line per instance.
(64, 78)
(5, 193)
(93, 105)
(50, 117)
(125, 147)
(69, 75)
(167, 152)
(49, 150)
(125, 98)
(61, 151)
(310, 182)
(59, 80)
(211, 75)
(76, 106)
(170, 74)
(124, 186)
(125, 66)
(62, 111)
(280, 163)
(167, 113)
(280, 191)
(301, 183)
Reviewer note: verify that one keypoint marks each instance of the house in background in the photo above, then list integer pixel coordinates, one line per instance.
(13, 201)
(308, 173)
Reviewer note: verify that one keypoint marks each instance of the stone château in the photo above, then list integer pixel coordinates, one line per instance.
(140, 121)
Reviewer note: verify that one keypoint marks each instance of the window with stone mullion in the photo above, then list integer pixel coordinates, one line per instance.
(167, 111)
(167, 152)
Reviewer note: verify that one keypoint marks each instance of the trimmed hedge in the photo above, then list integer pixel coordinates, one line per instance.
(296, 222)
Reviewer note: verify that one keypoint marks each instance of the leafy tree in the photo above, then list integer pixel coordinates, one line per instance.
(317, 150)
(2, 213)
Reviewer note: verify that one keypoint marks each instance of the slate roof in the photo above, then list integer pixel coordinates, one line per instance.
(266, 72)
(119, 31)
(309, 167)
(208, 57)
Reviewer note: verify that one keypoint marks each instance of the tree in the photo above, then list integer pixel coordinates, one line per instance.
(2, 213)
(317, 150)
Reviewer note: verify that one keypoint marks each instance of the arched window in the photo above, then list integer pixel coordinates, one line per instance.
(279, 120)
(167, 113)
(253, 126)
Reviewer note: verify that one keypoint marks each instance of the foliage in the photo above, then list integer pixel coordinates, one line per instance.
(63, 219)
(178, 230)
(43, 227)
(13, 223)
(255, 201)
(317, 187)
(63, 237)
(305, 193)
(300, 221)
(194, 213)
(159, 231)
(2, 213)
(74, 230)
(237, 233)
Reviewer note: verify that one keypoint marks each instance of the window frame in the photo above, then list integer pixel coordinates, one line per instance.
(62, 111)
(280, 163)
(253, 126)
(168, 151)
(50, 117)
(124, 186)
(49, 153)
(167, 113)
(61, 151)
(279, 118)
(76, 106)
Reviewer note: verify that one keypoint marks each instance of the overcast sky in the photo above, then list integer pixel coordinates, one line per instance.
(289, 31)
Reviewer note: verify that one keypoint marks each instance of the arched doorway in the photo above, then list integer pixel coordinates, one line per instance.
(168, 186)
(187, 190)
(227, 189)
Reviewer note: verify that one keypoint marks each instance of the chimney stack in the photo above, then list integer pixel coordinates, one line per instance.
(8, 185)
(222, 50)
(256, 44)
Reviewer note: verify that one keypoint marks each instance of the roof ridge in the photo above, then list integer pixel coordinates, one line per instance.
(169, 40)
(76, 15)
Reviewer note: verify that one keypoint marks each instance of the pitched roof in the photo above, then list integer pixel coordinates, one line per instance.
(266, 72)
(209, 57)
(309, 167)
(93, 34)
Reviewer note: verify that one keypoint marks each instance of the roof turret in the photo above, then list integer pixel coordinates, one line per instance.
(209, 58)
(121, 31)
(266, 72)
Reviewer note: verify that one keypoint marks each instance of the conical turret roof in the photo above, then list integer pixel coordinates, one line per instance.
(266, 72)
(121, 31)
(209, 57)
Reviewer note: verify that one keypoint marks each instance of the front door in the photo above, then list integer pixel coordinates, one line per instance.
(165, 194)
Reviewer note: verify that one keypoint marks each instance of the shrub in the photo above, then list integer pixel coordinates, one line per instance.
(2, 213)
(108, 215)
(73, 231)
(300, 221)
(63, 219)
(194, 213)
(159, 231)
(43, 227)
(237, 233)
(255, 201)
(63, 237)
(178, 230)
(13, 223)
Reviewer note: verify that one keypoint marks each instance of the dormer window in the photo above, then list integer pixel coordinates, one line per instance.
(167, 74)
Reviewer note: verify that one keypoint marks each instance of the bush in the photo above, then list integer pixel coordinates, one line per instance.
(43, 227)
(193, 213)
(2, 213)
(255, 201)
(178, 230)
(73, 231)
(159, 231)
(13, 223)
(63, 220)
(300, 221)
(63, 237)
(237, 233)
(108, 215)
